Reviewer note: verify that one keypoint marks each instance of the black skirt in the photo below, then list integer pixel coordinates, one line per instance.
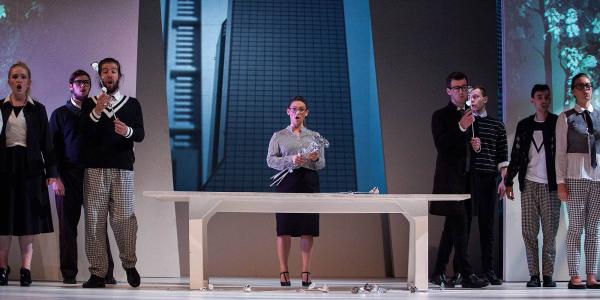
(302, 180)
(24, 199)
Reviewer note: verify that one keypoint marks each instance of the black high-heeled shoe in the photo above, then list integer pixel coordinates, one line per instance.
(286, 278)
(306, 282)
(3, 276)
(25, 277)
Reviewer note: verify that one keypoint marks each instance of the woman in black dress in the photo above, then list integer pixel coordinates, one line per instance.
(26, 169)
(285, 150)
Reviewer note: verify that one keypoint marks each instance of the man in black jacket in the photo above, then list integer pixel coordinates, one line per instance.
(448, 126)
(68, 190)
(533, 154)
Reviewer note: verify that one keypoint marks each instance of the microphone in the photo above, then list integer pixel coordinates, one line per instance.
(95, 67)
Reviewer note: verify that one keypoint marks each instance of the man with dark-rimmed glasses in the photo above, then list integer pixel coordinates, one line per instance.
(448, 126)
(68, 189)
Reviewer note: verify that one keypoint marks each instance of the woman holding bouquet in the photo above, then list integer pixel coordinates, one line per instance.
(285, 151)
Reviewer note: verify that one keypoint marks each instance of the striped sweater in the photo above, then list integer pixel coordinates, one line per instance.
(494, 149)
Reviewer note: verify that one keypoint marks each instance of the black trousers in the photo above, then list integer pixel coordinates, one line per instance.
(68, 209)
(455, 235)
(484, 197)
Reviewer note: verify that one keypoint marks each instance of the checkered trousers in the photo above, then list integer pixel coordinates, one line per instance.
(109, 192)
(583, 206)
(539, 204)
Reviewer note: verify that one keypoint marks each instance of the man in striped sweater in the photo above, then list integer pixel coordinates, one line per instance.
(489, 156)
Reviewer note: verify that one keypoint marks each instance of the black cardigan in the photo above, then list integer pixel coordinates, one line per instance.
(40, 149)
(519, 157)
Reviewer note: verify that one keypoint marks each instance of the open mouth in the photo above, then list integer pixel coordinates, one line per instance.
(19, 87)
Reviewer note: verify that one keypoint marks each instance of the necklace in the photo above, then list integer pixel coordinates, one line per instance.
(16, 102)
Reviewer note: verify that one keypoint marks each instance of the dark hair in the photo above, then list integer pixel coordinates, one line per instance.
(577, 77)
(539, 88)
(297, 98)
(456, 76)
(78, 73)
(481, 88)
(107, 61)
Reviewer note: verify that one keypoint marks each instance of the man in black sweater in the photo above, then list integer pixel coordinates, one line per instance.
(110, 122)
(68, 189)
(533, 158)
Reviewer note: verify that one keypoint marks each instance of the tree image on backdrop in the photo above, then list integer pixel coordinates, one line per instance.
(571, 40)
(12, 15)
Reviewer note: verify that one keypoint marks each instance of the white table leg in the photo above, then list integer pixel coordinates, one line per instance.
(198, 252)
(418, 256)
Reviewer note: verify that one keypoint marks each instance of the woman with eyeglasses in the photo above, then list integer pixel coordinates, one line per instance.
(578, 179)
(27, 167)
(285, 151)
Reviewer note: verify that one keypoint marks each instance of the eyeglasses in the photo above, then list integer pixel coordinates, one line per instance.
(298, 109)
(583, 86)
(82, 82)
(463, 88)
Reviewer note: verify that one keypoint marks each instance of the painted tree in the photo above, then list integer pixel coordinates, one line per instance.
(12, 15)
(572, 29)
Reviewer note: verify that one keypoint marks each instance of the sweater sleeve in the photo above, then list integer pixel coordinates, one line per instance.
(56, 130)
(137, 132)
(501, 147)
(515, 157)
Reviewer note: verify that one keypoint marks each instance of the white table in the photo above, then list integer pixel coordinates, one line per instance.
(203, 205)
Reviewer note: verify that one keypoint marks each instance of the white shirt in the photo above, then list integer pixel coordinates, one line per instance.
(573, 165)
(16, 127)
(536, 169)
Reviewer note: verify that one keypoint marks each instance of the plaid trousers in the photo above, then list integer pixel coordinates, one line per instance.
(539, 204)
(109, 192)
(583, 206)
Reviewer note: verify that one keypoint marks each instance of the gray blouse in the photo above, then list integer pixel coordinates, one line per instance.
(284, 144)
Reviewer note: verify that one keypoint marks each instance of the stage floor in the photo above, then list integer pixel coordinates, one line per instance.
(232, 288)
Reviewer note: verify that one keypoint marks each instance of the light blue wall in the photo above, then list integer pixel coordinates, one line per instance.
(363, 90)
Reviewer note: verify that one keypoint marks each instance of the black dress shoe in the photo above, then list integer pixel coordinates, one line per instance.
(492, 278)
(133, 277)
(548, 282)
(69, 280)
(94, 282)
(593, 286)
(306, 282)
(286, 279)
(3, 276)
(110, 279)
(455, 280)
(472, 281)
(25, 277)
(579, 286)
(439, 279)
(535, 281)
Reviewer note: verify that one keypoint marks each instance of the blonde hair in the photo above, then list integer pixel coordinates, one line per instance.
(24, 66)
